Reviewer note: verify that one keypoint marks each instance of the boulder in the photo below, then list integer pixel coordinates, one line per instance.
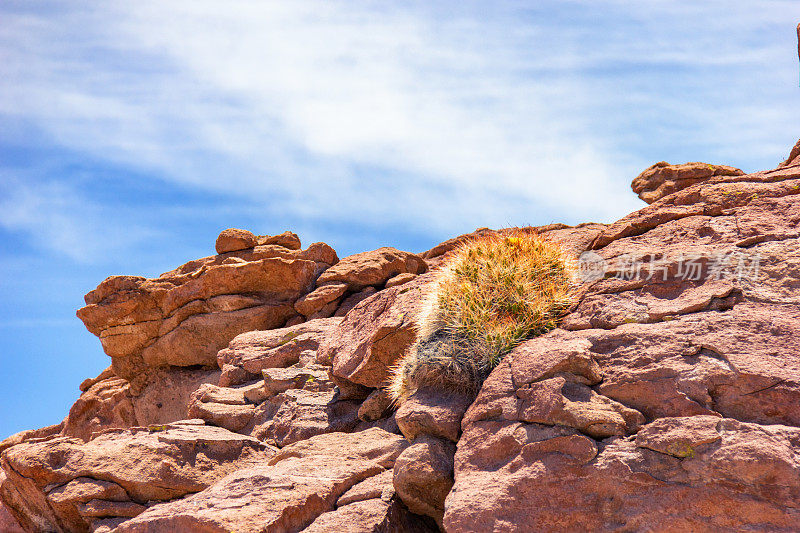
(184, 317)
(64, 484)
(423, 476)
(375, 406)
(323, 295)
(234, 240)
(433, 412)
(373, 268)
(374, 334)
(663, 179)
(287, 239)
(302, 482)
(400, 279)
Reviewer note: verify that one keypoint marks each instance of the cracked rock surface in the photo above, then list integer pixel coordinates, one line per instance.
(667, 399)
(245, 389)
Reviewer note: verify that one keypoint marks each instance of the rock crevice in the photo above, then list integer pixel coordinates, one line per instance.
(246, 389)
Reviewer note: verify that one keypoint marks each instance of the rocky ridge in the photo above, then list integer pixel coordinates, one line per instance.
(245, 388)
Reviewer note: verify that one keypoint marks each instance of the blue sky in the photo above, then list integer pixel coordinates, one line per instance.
(132, 133)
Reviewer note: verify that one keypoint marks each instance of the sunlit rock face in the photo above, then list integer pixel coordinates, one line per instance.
(245, 391)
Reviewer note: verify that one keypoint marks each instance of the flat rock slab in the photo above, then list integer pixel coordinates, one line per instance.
(52, 482)
(297, 486)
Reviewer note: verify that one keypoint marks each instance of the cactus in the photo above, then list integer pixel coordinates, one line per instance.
(493, 293)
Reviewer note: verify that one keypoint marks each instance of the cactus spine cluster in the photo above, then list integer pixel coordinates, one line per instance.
(492, 293)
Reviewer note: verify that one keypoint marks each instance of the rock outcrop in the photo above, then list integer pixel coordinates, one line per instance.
(185, 316)
(374, 334)
(359, 275)
(663, 179)
(794, 156)
(300, 487)
(245, 391)
(64, 484)
(673, 372)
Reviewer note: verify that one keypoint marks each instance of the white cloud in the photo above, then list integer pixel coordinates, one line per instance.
(56, 217)
(432, 117)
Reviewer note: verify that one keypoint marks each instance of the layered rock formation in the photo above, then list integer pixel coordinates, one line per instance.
(245, 389)
(663, 179)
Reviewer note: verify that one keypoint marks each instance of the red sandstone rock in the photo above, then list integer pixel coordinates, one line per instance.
(250, 353)
(323, 295)
(423, 476)
(663, 179)
(31, 434)
(537, 474)
(86, 384)
(380, 486)
(303, 414)
(400, 279)
(373, 268)
(367, 517)
(51, 482)
(8, 524)
(326, 311)
(711, 362)
(185, 316)
(287, 239)
(106, 404)
(353, 300)
(375, 406)
(109, 403)
(286, 494)
(221, 406)
(432, 412)
(234, 240)
(794, 156)
(374, 334)
(692, 385)
(312, 377)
